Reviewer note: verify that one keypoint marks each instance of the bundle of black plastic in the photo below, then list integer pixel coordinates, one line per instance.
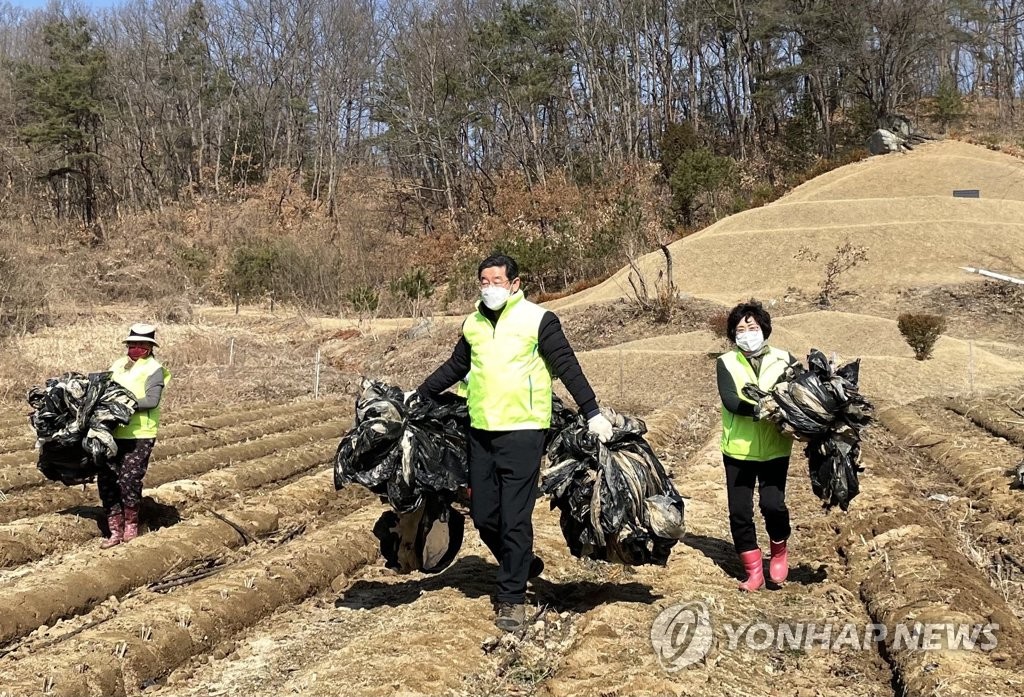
(822, 405)
(617, 503)
(74, 419)
(412, 453)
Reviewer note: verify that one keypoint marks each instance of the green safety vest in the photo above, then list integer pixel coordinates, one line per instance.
(132, 376)
(509, 382)
(743, 438)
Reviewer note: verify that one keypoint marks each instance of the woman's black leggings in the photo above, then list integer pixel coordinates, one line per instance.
(770, 478)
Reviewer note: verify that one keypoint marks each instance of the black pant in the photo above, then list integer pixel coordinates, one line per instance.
(504, 467)
(770, 476)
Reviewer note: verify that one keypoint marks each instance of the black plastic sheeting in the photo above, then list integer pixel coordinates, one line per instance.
(74, 419)
(413, 454)
(427, 539)
(822, 406)
(615, 499)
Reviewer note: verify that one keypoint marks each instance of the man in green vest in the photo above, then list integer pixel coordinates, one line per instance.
(755, 452)
(510, 348)
(120, 485)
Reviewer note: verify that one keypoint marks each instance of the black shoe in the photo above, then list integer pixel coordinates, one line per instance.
(536, 567)
(511, 617)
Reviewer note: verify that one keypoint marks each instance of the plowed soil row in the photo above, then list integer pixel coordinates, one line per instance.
(20, 439)
(202, 410)
(246, 476)
(81, 581)
(978, 463)
(11, 417)
(221, 419)
(16, 427)
(995, 418)
(17, 469)
(121, 655)
(56, 497)
(908, 572)
(593, 637)
(36, 537)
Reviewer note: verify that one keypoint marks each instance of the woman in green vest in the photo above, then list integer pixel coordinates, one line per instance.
(755, 452)
(120, 485)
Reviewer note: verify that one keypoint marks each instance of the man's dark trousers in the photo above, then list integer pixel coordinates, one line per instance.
(504, 467)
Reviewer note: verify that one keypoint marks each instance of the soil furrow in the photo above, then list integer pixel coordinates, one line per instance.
(34, 538)
(18, 470)
(908, 572)
(46, 499)
(996, 419)
(85, 579)
(982, 472)
(131, 650)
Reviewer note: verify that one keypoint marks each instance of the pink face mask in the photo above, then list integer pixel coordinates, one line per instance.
(137, 352)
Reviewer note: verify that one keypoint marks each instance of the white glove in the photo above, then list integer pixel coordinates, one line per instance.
(407, 395)
(601, 427)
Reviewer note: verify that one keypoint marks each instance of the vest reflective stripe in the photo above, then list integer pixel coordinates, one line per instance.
(743, 438)
(509, 383)
(144, 422)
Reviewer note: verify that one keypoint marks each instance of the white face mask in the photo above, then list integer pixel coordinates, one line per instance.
(750, 341)
(495, 297)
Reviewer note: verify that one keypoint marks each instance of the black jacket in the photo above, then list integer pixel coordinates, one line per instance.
(554, 349)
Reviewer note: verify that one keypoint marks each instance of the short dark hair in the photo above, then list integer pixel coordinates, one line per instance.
(753, 309)
(511, 267)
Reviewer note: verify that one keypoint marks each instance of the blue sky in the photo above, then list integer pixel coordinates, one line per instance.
(36, 4)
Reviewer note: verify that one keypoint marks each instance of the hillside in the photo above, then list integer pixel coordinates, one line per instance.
(899, 208)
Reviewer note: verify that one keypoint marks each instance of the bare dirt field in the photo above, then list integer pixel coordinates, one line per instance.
(255, 578)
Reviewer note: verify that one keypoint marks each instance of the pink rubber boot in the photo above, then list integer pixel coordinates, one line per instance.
(755, 573)
(131, 523)
(778, 567)
(115, 521)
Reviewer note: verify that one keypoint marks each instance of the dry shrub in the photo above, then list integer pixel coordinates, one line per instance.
(718, 323)
(847, 256)
(577, 287)
(662, 303)
(23, 297)
(921, 331)
(174, 310)
(562, 233)
(274, 240)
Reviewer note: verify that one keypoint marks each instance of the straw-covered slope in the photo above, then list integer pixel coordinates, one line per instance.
(900, 208)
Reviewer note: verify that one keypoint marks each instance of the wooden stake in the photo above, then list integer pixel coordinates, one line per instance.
(316, 376)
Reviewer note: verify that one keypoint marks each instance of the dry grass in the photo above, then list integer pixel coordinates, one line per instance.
(669, 365)
(899, 208)
(205, 367)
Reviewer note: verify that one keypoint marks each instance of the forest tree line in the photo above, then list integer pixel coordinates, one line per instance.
(152, 103)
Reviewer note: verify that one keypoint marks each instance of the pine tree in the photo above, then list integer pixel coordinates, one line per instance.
(949, 103)
(62, 106)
